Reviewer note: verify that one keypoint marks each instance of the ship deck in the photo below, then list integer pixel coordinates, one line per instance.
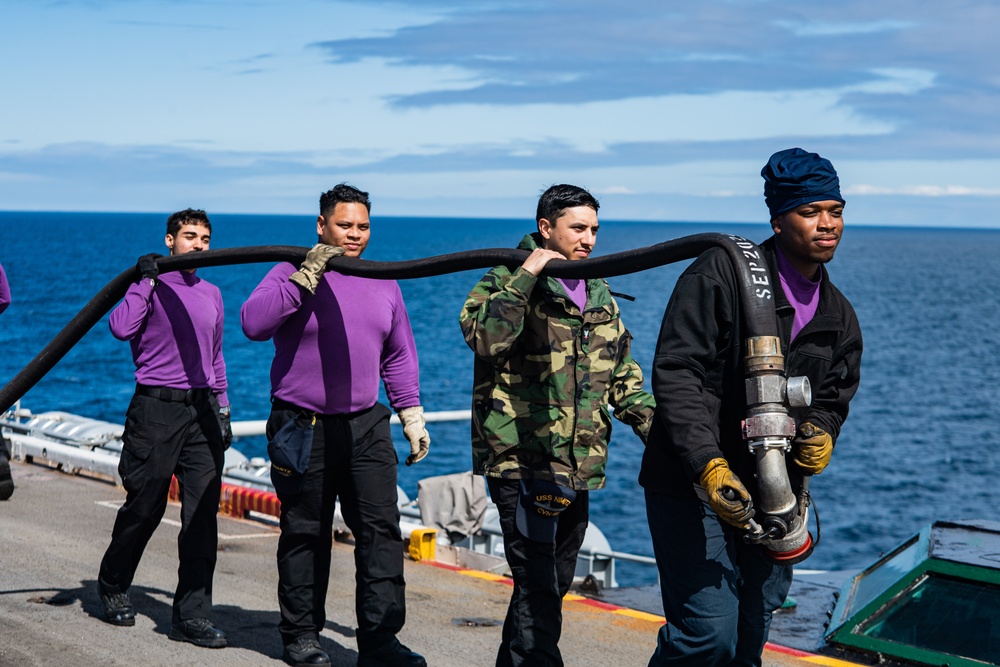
(56, 526)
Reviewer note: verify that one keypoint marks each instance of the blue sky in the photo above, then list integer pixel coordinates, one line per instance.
(665, 110)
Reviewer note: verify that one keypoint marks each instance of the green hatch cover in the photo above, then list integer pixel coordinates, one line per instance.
(934, 600)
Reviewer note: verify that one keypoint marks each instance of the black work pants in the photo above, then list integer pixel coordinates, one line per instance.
(164, 438)
(542, 572)
(352, 459)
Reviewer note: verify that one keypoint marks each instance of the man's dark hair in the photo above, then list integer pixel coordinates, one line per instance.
(558, 198)
(189, 216)
(342, 194)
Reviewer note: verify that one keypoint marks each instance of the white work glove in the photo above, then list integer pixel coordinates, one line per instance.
(415, 431)
(314, 266)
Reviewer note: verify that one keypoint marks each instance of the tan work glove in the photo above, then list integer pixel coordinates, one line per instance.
(813, 448)
(415, 431)
(719, 482)
(314, 266)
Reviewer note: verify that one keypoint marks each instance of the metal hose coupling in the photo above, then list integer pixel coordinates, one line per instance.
(782, 516)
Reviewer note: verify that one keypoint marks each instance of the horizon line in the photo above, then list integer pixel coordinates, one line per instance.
(854, 225)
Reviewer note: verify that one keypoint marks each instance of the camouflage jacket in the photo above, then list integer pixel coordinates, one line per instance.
(544, 376)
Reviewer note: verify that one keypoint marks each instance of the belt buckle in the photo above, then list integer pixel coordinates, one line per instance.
(189, 396)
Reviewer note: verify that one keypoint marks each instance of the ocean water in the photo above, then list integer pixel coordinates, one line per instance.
(921, 442)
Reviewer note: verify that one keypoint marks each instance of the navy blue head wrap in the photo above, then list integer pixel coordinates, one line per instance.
(793, 177)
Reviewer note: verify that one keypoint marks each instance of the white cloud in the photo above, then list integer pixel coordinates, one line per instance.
(922, 191)
(839, 29)
(896, 81)
(920, 178)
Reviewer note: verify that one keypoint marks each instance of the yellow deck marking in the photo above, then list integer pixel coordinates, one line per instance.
(829, 662)
(482, 575)
(641, 615)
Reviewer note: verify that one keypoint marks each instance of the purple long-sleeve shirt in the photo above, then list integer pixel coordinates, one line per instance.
(175, 330)
(330, 349)
(4, 291)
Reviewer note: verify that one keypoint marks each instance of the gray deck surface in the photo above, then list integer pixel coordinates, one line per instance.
(54, 530)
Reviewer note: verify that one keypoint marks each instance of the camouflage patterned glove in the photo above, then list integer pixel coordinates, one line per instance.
(307, 277)
(415, 431)
(726, 493)
(813, 448)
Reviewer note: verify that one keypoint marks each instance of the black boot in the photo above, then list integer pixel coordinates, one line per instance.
(117, 607)
(305, 652)
(390, 654)
(198, 631)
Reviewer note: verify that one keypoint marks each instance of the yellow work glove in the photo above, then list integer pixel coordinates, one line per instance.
(415, 431)
(314, 265)
(813, 448)
(719, 482)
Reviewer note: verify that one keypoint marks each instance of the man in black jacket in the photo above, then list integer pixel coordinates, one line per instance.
(697, 472)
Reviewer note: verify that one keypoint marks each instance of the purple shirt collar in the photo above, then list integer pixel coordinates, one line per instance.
(802, 293)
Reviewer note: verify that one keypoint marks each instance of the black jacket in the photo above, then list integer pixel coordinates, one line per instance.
(698, 377)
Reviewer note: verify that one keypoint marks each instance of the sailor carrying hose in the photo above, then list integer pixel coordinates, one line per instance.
(177, 424)
(551, 354)
(719, 590)
(334, 336)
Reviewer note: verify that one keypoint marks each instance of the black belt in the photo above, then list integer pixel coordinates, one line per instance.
(189, 396)
(281, 404)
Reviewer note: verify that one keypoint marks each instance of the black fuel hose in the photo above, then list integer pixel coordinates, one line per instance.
(748, 263)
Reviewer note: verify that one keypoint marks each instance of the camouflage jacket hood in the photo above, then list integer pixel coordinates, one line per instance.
(544, 375)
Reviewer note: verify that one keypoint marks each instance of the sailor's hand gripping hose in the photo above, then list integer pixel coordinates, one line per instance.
(726, 494)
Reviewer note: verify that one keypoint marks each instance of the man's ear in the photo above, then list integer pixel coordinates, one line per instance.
(545, 228)
(169, 240)
(320, 222)
(776, 224)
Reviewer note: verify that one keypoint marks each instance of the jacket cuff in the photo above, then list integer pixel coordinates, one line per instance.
(831, 426)
(696, 464)
(522, 282)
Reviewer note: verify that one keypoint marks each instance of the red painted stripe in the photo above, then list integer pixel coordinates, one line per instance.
(607, 606)
(794, 652)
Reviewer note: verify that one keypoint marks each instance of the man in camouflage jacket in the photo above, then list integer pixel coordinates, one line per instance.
(551, 354)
